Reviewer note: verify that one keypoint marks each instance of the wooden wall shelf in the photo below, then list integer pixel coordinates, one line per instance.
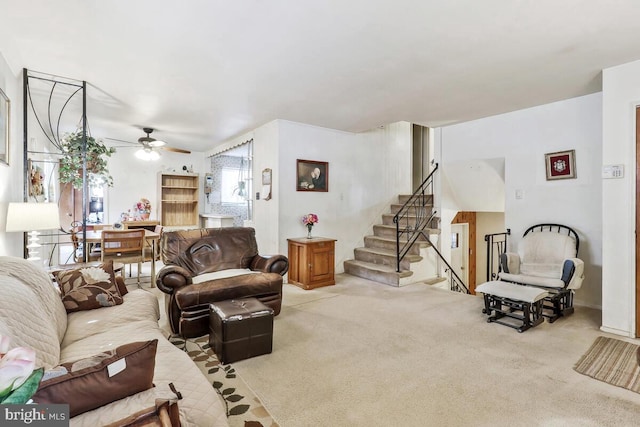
(178, 195)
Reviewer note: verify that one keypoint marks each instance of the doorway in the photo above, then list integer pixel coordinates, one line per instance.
(469, 219)
(460, 251)
(421, 155)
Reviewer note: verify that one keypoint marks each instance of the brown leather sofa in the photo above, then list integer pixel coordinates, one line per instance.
(215, 264)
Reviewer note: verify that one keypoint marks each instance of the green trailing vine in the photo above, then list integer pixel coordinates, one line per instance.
(71, 162)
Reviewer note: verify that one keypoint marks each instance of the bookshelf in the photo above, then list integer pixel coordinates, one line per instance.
(178, 195)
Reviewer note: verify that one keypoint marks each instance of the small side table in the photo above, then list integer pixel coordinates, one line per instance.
(311, 262)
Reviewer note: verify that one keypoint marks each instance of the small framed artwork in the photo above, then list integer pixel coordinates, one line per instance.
(561, 165)
(312, 175)
(455, 240)
(5, 105)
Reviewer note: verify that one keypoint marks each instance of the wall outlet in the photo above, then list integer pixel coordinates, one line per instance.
(519, 194)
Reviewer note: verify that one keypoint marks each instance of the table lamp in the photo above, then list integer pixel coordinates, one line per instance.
(32, 217)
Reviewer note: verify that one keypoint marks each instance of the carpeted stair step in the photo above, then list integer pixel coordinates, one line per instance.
(387, 218)
(437, 282)
(412, 210)
(384, 257)
(376, 272)
(403, 198)
(389, 231)
(390, 244)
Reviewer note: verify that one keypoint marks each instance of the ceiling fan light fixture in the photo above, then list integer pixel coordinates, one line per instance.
(147, 154)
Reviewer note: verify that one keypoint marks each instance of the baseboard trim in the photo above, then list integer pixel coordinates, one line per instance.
(615, 331)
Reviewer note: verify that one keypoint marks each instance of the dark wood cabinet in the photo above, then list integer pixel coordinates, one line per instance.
(311, 262)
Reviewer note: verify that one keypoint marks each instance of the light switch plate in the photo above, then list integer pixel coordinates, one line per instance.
(612, 171)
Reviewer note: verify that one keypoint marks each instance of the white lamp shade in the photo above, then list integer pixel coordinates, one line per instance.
(32, 217)
(147, 154)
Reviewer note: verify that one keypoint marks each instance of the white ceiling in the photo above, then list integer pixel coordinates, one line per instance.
(202, 71)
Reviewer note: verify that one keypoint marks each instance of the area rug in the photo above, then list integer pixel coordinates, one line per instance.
(612, 361)
(244, 409)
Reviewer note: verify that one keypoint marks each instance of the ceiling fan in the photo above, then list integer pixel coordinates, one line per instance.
(150, 145)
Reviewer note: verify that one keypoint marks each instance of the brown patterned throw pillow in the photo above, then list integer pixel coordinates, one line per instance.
(88, 288)
(89, 383)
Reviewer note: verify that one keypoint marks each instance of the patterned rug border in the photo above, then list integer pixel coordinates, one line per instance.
(612, 361)
(243, 407)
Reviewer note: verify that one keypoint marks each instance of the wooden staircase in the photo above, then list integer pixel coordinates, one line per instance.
(378, 258)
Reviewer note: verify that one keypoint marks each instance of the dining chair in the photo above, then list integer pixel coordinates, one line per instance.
(78, 246)
(125, 246)
(148, 249)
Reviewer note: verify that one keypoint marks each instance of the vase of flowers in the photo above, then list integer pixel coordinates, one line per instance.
(19, 379)
(144, 209)
(309, 220)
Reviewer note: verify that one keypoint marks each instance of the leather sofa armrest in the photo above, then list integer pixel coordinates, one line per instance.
(172, 277)
(270, 264)
(573, 273)
(510, 263)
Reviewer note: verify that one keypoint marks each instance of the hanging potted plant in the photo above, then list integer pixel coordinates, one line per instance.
(71, 162)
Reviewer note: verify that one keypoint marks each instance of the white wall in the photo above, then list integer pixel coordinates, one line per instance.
(522, 138)
(476, 184)
(486, 223)
(11, 178)
(621, 95)
(366, 172)
(265, 212)
(134, 179)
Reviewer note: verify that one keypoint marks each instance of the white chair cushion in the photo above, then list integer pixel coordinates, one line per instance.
(222, 274)
(542, 253)
(512, 291)
(545, 282)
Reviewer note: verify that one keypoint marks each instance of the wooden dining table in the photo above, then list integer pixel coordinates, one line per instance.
(95, 236)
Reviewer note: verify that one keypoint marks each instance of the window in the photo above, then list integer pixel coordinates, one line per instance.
(234, 187)
(231, 184)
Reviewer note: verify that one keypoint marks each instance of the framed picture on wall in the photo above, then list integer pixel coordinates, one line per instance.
(561, 165)
(312, 175)
(4, 127)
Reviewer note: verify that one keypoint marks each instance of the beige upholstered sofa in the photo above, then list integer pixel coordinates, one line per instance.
(33, 315)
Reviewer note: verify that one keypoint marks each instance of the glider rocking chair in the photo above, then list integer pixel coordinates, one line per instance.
(539, 280)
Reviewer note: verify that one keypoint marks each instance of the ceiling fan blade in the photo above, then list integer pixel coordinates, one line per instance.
(175, 150)
(121, 140)
(148, 143)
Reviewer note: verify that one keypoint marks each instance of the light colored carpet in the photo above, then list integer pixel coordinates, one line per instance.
(612, 361)
(364, 354)
(243, 407)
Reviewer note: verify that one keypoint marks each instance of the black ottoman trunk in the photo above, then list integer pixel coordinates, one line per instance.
(240, 329)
